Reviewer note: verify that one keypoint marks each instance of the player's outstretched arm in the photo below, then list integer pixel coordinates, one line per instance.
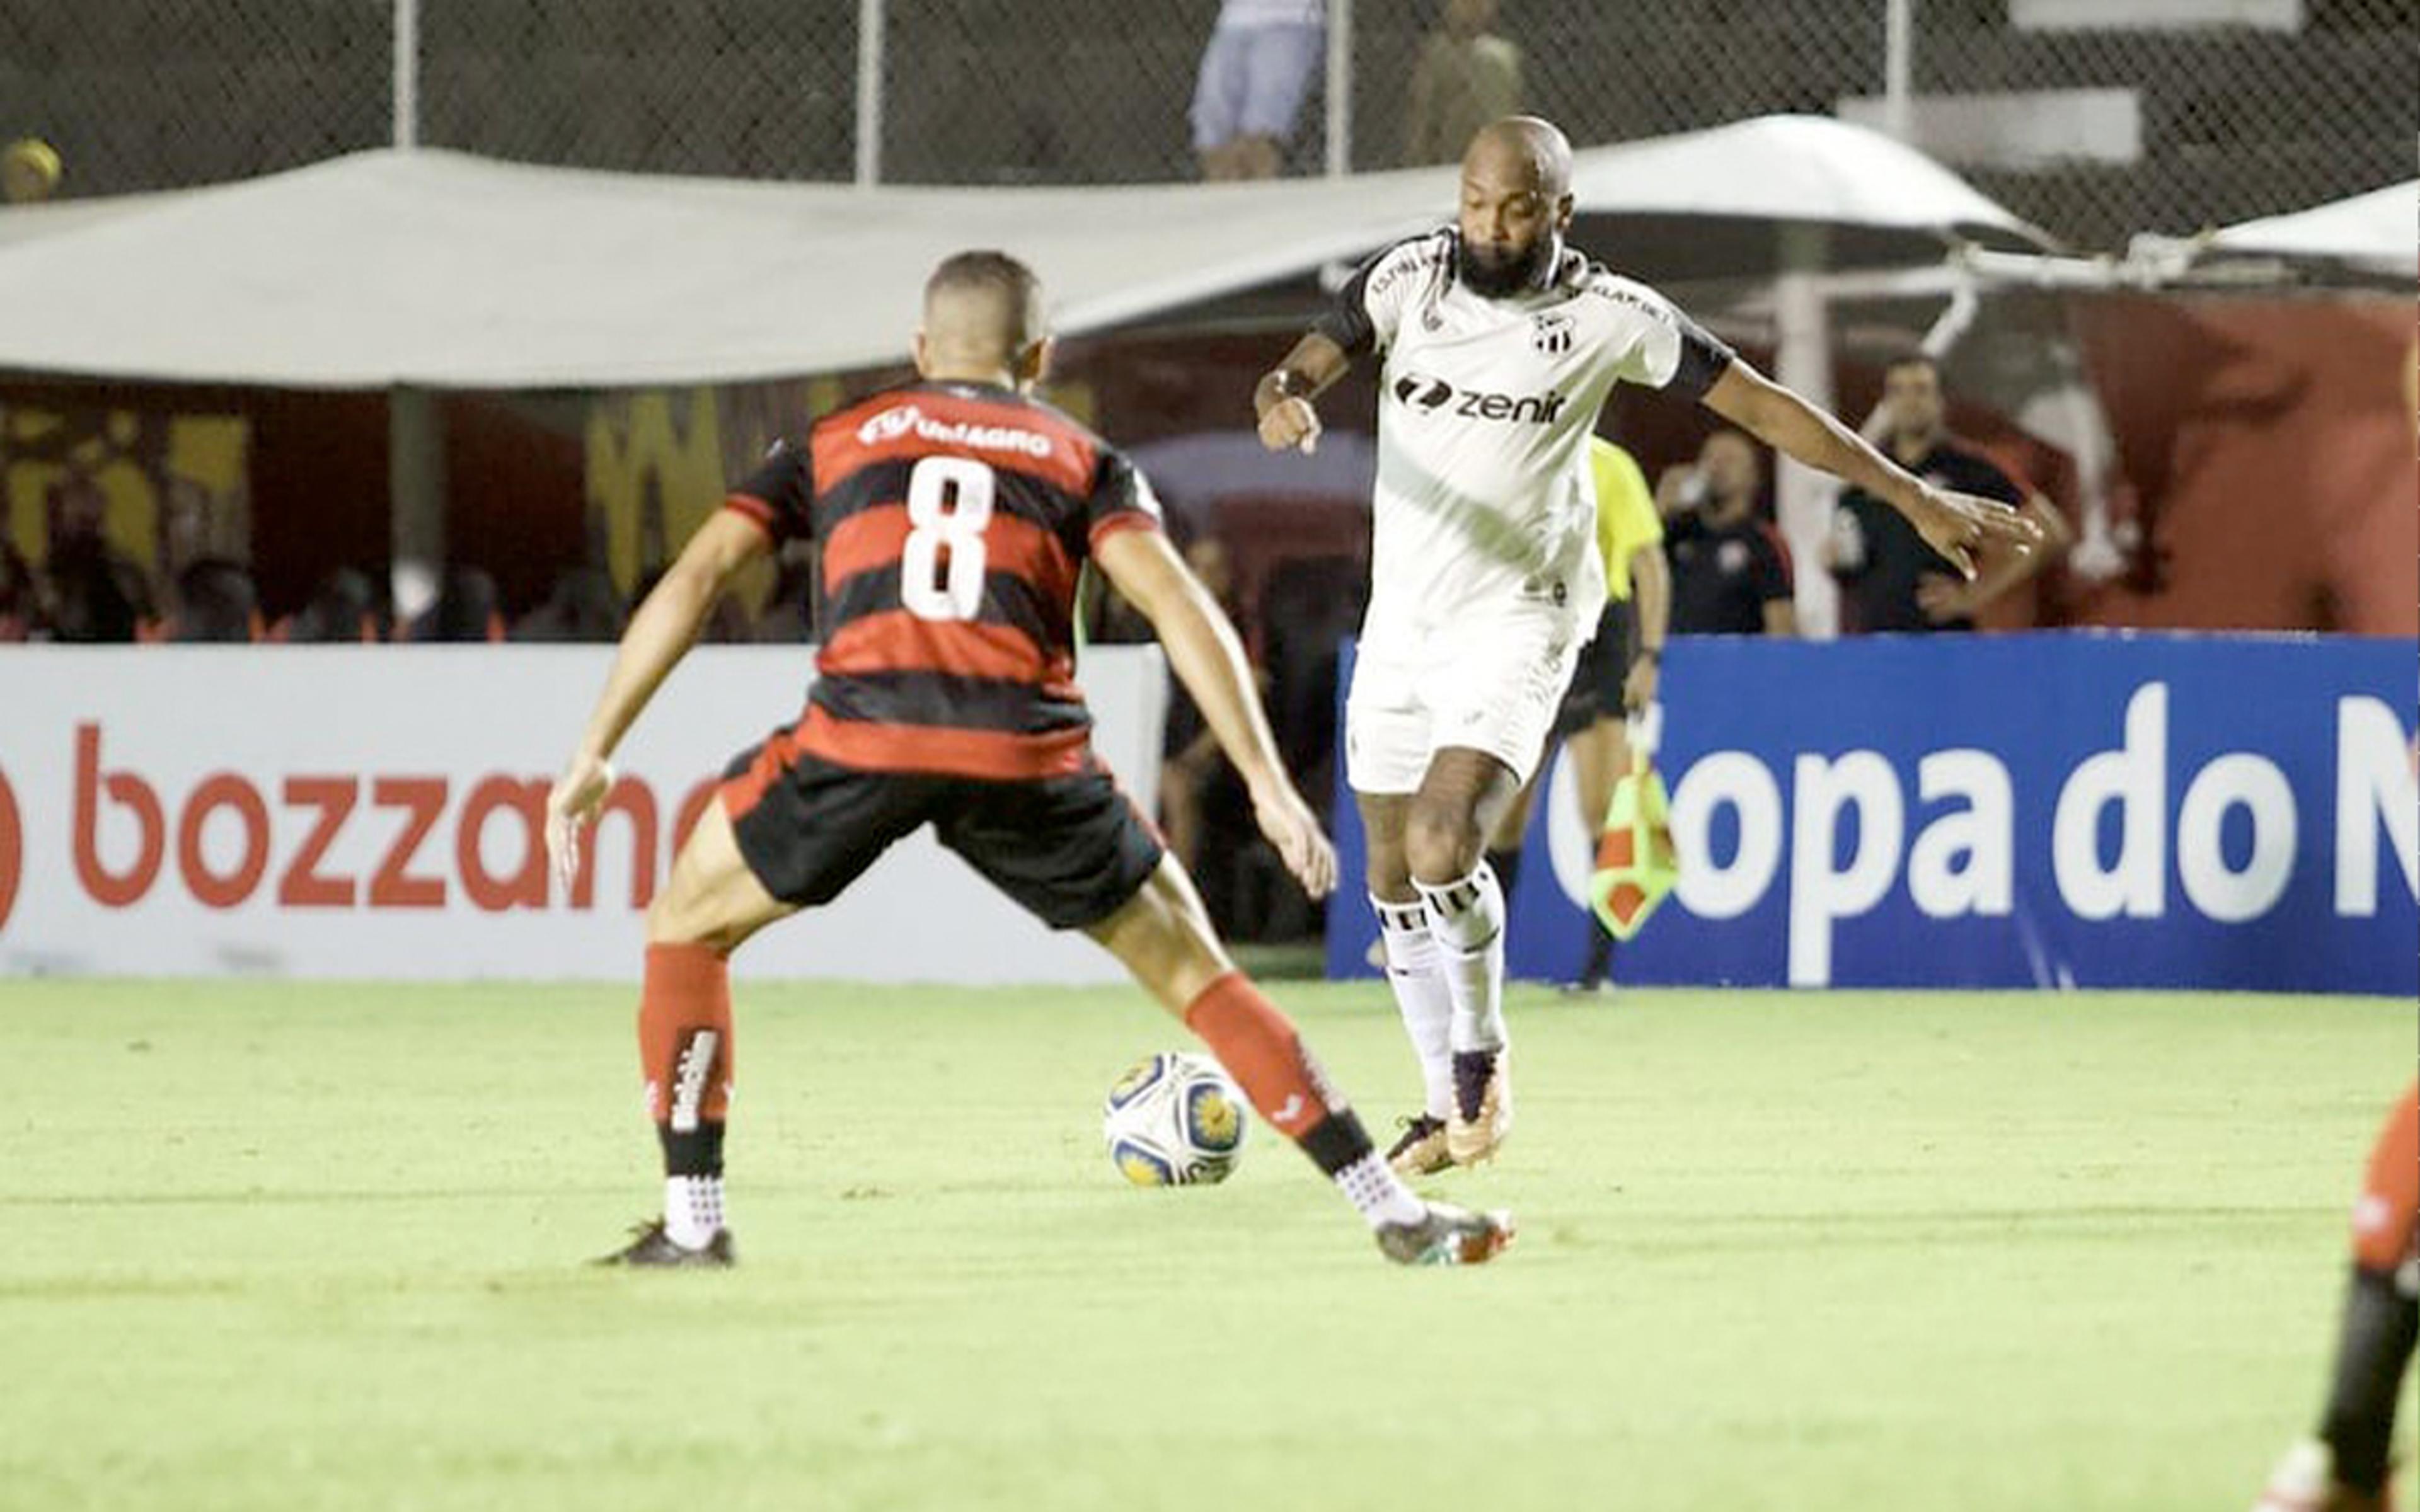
(1203, 647)
(1282, 398)
(1651, 592)
(660, 634)
(1953, 524)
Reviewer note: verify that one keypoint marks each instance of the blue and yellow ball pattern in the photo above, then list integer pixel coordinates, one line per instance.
(1174, 1119)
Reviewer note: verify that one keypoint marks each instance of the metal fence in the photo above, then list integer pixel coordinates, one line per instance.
(2092, 120)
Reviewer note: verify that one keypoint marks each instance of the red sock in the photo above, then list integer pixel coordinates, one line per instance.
(2386, 1221)
(685, 1052)
(1258, 1044)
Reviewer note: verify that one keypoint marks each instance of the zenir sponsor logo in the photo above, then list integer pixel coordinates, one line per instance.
(1426, 394)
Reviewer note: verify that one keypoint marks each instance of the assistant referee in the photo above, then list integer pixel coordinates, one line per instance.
(1616, 675)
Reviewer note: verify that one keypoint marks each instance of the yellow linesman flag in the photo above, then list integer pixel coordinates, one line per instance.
(1635, 862)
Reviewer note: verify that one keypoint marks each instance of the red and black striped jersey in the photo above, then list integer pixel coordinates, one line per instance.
(952, 519)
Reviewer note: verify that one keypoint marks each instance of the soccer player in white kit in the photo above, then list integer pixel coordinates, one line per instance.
(1498, 346)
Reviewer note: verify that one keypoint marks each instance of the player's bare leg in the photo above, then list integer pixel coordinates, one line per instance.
(1462, 799)
(1164, 938)
(1511, 839)
(712, 902)
(1416, 973)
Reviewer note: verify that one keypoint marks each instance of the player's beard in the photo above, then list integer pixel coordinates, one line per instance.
(1492, 277)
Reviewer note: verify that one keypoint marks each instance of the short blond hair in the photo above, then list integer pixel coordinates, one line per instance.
(983, 299)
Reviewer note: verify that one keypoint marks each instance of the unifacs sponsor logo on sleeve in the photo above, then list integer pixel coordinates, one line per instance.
(1422, 256)
(1606, 287)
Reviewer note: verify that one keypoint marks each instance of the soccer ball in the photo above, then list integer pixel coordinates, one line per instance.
(1173, 1119)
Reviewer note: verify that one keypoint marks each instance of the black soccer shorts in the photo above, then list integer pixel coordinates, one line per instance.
(1070, 850)
(1603, 665)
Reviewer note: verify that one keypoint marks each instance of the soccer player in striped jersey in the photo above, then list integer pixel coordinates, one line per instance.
(954, 515)
(2345, 1466)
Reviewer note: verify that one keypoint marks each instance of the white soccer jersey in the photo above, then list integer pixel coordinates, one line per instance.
(1485, 406)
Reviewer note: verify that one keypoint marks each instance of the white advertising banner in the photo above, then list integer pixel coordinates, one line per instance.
(376, 812)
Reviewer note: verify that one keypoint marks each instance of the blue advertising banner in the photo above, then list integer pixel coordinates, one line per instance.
(2089, 809)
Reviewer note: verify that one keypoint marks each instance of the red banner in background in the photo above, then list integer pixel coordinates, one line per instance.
(2270, 444)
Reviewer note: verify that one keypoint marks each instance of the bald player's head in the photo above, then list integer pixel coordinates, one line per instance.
(982, 319)
(1517, 203)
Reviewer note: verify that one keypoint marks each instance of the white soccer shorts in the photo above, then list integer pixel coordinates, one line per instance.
(1491, 687)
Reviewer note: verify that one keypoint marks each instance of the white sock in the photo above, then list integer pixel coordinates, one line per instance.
(1416, 971)
(1379, 1194)
(1466, 920)
(692, 1209)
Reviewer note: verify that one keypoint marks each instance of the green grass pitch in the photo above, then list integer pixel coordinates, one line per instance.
(286, 1246)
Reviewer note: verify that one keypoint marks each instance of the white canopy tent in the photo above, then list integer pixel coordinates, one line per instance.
(434, 270)
(417, 271)
(26, 222)
(2376, 232)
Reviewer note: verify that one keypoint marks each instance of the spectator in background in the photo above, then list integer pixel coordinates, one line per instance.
(29, 171)
(20, 597)
(1730, 571)
(1891, 580)
(216, 603)
(183, 526)
(98, 595)
(582, 606)
(343, 612)
(1194, 769)
(466, 610)
(1254, 73)
(1467, 77)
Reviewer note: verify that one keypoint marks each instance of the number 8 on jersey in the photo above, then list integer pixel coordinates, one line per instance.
(949, 504)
